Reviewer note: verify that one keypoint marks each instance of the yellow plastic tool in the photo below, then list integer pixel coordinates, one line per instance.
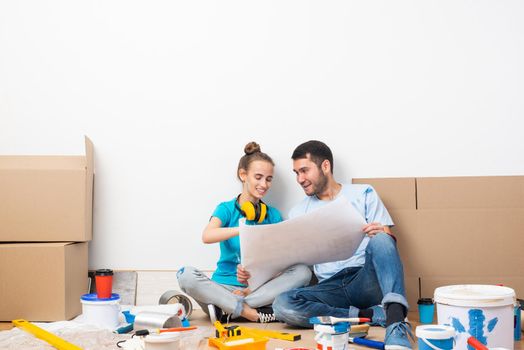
(239, 342)
(226, 331)
(270, 334)
(40, 333)
(230, 338)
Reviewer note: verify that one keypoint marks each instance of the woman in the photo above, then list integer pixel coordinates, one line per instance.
(224, 294)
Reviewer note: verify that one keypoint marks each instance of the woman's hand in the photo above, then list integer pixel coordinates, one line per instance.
(242, 274)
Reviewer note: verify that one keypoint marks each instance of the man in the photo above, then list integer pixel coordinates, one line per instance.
(368, 284)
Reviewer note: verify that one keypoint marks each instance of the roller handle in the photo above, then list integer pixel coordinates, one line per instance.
(369, 343)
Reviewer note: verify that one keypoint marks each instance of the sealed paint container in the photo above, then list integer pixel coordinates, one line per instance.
(485, 312)
(100, 312)
(517, 330)
(436, 337)
(332, 336)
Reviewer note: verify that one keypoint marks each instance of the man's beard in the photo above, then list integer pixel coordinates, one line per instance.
(320, 186)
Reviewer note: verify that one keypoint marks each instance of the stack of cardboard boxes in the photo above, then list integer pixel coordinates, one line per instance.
(456, 230)
(45, 223)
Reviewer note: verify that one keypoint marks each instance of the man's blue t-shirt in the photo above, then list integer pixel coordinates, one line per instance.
(229, 214)
(367, 202)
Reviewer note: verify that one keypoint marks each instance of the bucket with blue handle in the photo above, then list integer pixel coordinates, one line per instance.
(435, 337)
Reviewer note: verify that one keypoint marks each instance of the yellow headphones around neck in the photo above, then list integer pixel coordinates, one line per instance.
(253, 211)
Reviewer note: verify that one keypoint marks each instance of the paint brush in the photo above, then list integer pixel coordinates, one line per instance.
(333, 320)
(124, 329)
(366, 342)
(142, 332)
(359, 330)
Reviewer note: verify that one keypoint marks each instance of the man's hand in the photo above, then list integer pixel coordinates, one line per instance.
(374, 228)
(242, 274)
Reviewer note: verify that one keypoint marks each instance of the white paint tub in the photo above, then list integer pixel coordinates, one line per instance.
(101, 312)
(485, 312)
(162, 341)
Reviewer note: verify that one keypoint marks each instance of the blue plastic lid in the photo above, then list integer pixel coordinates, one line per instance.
(434, 331)
(93, 297)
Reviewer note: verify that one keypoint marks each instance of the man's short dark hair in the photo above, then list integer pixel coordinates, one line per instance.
(318, 152)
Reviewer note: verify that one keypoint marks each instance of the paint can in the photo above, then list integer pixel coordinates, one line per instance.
(435, 337)
(518, 320)
(100, 312)
(485, 312)
(162, 341)
(522, 314)
(149, 319)
(332, 337)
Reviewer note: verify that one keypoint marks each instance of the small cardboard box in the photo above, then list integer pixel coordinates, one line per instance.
(46, 198)
(42, 281)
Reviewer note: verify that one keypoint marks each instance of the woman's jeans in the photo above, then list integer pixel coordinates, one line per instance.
(205, 291)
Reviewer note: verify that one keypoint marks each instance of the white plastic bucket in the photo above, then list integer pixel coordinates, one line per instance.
(101, 312)
(485, 312)
(162, 341)
(436, 337)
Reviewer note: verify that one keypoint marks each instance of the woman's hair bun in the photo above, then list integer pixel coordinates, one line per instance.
(251, 148)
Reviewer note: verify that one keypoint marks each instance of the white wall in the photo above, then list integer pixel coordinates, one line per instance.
(170, 91)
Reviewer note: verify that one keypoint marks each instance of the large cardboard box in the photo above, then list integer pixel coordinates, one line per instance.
(46, 198)
(42, 281)
(456, 230)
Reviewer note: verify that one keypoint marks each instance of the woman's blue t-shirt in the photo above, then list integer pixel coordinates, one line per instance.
(229, 214)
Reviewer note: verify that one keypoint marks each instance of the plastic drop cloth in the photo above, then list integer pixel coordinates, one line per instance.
(89, 337)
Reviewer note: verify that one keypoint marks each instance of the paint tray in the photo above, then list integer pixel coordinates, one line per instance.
(239, 342)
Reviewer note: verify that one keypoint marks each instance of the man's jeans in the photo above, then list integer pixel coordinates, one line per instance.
(379, 281)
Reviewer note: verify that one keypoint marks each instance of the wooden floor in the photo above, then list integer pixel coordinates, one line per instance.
(5, 325)
(376, 333)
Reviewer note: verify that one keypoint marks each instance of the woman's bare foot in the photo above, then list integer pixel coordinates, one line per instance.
(242, 292)
(249, 313)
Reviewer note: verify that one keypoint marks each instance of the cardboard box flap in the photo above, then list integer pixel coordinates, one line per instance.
(51, 162)
(89, 185)
(89, 155)
(36, 245)
(470, 192)
(42, 162)
(396, 193)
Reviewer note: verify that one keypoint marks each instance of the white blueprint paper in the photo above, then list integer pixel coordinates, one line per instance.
(330, 233)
